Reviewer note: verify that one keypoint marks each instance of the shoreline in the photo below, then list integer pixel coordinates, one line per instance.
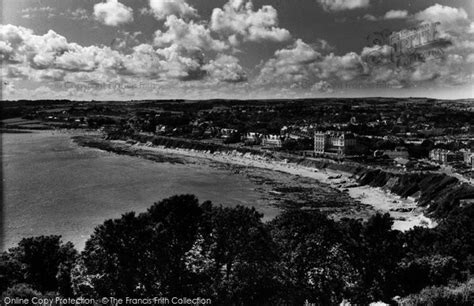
(379, 199)
(405, 212)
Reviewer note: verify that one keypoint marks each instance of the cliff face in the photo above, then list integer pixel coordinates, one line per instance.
(438, 193)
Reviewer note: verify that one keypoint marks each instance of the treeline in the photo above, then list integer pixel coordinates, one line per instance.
(180, 247)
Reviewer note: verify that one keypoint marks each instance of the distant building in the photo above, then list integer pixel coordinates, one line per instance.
(403, 162)
(297, 135)
(160, 129)
(399, 152)
(333, 142)
(227, 133)
(468, 157)
(445, 156)
(252, 137)
(272, 141)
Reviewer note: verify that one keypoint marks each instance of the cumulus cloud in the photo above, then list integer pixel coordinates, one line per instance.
(226, 68)
(188, 35)
(340, 5)
(238, 21)
(164, 8)
(113, 13)
(300, 65)
(51, 58)
(183, 64)
(454, 27)
(445, 14)
(396, 14)
(295, 64)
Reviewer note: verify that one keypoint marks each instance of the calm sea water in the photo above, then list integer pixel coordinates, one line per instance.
(53, 186)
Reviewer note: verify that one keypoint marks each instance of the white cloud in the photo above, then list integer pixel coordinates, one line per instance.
(183, 64)
(46, 55)
(226, 68)
(442, 13)
(113, 13)
(51, 58)
(451, 20)
(6, 51)
(187, 35)
(164, 8)
(295, 64)
(396, 14)
(239, 22)
(344, 68)
(454, 26)
(301, 66)
(339, 5)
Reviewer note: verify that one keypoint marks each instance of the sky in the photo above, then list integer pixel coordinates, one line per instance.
(236, 49)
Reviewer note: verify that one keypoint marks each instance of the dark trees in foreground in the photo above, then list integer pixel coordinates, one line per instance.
(180, 247)
(43, 262)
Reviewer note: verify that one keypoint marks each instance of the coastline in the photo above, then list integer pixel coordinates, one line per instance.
(407, 216)
(405, 212)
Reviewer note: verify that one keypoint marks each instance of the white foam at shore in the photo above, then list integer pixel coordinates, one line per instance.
(378, 198)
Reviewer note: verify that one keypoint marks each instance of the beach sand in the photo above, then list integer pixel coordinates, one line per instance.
(405, 212)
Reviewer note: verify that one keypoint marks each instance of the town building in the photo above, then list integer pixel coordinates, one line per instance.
(227, 133)
(332, 142)
(252, 138)
(445, 156)
(272, 141)
(468, 156)
(398, 152)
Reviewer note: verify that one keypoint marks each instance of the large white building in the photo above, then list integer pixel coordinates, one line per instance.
(332, 142)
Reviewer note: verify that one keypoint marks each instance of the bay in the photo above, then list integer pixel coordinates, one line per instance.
(53, 186)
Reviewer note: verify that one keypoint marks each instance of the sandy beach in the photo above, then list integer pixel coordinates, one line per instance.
(404, 211)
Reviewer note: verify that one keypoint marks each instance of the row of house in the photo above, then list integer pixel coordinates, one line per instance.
(266, 140)
(330, 142)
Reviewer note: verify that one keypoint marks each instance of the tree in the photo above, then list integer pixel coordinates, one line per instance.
(383, 251)
(239, 254)
(314, 263)
(143, 255)
(43, 262)
(461, 294)
(425, 271)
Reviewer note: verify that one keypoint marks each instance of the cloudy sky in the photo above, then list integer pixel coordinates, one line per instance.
(197, 49)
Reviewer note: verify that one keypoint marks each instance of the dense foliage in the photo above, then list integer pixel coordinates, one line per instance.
(181, 247)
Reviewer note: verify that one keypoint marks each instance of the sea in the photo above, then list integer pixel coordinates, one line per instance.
(52, 186)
